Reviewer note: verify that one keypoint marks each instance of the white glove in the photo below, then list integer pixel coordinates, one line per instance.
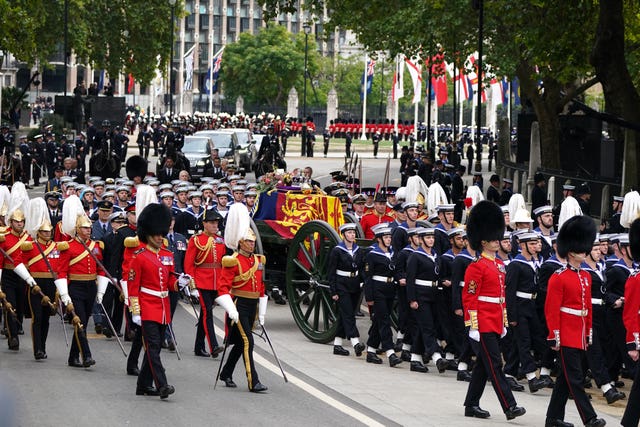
(262, 309)
(103, 282)
(135, 318)
(63, 290)
(125, 291)
(183, 280)
(22, 272)
(226, 302)
(504, 332)
(474, 334)
(194, 293)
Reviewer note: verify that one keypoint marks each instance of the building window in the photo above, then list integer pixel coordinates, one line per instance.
(217, 6)
(191, 22)
(231, 24)
(244, 24)
(204, 22)
(257, 13)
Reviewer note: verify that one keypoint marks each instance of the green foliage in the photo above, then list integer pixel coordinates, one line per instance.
(11, 96)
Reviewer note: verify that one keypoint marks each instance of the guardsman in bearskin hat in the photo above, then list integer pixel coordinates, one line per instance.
(631, 316)
(79, 274)
(485, 311)
(241, 286)
(568, 310)
(149, 279)
(345, 273)
(43, 271)
(203, 262)
(14, 272)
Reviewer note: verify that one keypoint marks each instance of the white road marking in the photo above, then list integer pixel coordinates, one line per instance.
(313, 391)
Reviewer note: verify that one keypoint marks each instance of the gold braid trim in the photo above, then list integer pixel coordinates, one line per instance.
(203, 250)
(134, 305)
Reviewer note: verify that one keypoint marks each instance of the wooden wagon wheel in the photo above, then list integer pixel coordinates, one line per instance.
(315, 313)
(349, 217)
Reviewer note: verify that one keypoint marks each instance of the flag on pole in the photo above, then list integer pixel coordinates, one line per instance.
(398, 79)
(415, 70)
(211, 82)
(439, 79)
(464, 89)
(505, 92)
(131, 84)
(188, 68)
(515, 88)
(368, 76)
(473, 76)
(101, 81)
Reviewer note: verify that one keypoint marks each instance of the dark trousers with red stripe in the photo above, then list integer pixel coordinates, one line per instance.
(488, 367)
(631, 417)
(152, 371)
(40, 314)
(205, 321)
(570, 382)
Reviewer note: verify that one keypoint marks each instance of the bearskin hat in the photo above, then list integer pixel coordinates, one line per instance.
(155, 219)
(136, 166)
(634, 239)
(577, 234)
(486, 222)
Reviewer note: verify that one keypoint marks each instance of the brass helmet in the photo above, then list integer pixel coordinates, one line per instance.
(18, 203)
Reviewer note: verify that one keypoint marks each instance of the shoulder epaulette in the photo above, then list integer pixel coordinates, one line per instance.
(26, 246)
(139, 251)
(165, 243)
(62, 246)
(560, 270)
(229, 261)
(131, 242)
(262, 259)
(2, 238)
(101, 244)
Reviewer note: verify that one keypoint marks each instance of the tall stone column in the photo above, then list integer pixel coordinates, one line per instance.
(292, 103)
(332, 105)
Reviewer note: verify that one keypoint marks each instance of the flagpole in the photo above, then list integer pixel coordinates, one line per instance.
(396, 101)
(461, 102)
(181, 63)
(210, 68)
(363, 136)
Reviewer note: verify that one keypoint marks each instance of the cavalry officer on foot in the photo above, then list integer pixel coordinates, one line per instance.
(149, 279)
(42, 271)
(241, 286)
(483, 300)
(203, 262)
(78, 275)
(631, 317)
(345, 274)
(380, 292)
(568, 310)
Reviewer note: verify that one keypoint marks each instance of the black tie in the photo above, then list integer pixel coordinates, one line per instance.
(168, 172)
(171, 242)
(104, 227)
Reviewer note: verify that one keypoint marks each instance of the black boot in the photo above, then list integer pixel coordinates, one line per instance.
(394, 360)
(536, 384)
(514, 411)
(613, 395)
(373, 358)
(358, 349)
(476, 412)
(340, 351)
(463, 376)
(417, 366)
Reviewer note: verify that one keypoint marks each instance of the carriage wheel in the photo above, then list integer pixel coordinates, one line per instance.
(349, 217)
(315, 313)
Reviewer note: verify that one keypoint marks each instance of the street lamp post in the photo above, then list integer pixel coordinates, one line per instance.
(307, 30)
(480, 6)
(173, 11)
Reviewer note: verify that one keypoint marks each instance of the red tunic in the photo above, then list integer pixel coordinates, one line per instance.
(36, 263)
(77, 264)
(371, 219)
(12, 245)
(131, 246)
(203, 260)
(631, 311)
(242, 276)
(149, 280)
(59, 235)
(483, 295)
(568, 307)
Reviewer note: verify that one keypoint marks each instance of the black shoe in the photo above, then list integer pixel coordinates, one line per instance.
(536, 384)
(618, 384)
(373, 358)
(613, 395)
(340, 351)
(258, 388)
(214, 353)
(164, 344)
(166, 390)
(548, 380)
(88, 362)
(75, 363)
(202, 353)
(556, 423)
(42, 355)
(463, 376)
(133, 371)
(14, 344)
(107, 332)
(475, 412)
(228, 382)
(418, 367)
(514, 385)
(147, 391)
(596, 422)
(441, 364)
(98, 329)
(405, 355)
(515, 411)
(452, 365)
(358, 349)
(171, 345)
(398, 347)
(394, 360)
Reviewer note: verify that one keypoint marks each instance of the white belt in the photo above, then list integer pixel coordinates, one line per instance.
(159, 294)
(492, 300)
(526, 295)
(596, 301)
(429, 283)
(573, 311)
(382, 279)
(344, 273)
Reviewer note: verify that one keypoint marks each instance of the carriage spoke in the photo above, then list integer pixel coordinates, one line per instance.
(329, 312)
(302, 267)
(300, 297)
(310, 307)
(316, 313)
(304, 251)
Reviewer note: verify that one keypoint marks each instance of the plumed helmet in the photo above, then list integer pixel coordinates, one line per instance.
(18, 203)
(145, 195)
(238, 226)
(516, 203)
(577, 234)
(436, 197)
(630, 208)
(634, 239)
(73, 215)
(475, 194)
(416, 190)
(486, 222)
(568, 209)
(154, 220)
(5, 195)
(136, 166)
(37, 217)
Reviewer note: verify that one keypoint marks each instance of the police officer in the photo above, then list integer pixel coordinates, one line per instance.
(380, 293)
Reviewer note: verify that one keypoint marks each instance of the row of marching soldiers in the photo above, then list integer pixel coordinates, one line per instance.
(69, 277)
(426, 272)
